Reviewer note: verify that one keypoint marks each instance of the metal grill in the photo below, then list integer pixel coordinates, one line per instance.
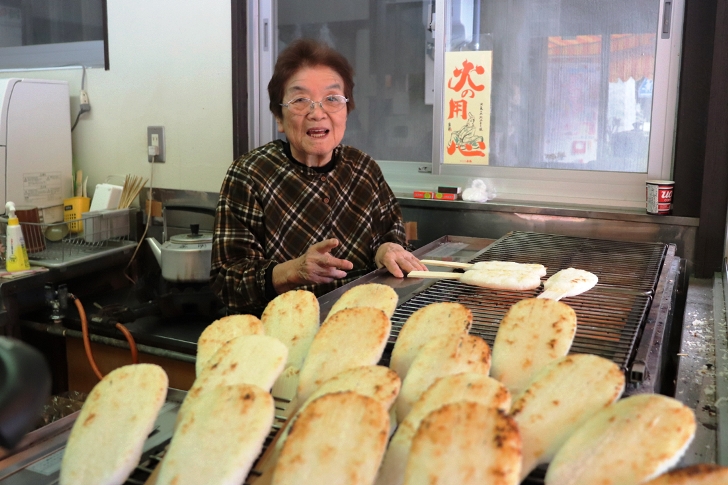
(623, 266)
(609, 316)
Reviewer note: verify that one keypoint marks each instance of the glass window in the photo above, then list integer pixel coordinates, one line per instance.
(51, 33)
(390, 48)
(572, 82)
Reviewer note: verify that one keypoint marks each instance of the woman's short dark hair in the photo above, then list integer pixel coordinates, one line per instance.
(307, 53)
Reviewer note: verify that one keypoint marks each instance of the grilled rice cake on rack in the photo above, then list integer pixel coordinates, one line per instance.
(443, 355)
(293, 318)
(631, 441)
(113, 425)
(559, 400)
(532, 333)
(372, 295)
(466, 386)
(249, 359)
(339, 439)
(465, 443)
(702, 474)
(375, 381)
(495, 279)
(221, 331)
(220, 435)
(425, 324)
(568, 282)
(350, 338)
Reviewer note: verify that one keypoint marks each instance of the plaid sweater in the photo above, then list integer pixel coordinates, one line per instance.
(272, 209)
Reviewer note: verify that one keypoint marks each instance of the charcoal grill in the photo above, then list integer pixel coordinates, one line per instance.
(610, 317)
(625, 318)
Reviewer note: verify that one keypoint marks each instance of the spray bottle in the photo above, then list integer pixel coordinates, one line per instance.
(16, 256)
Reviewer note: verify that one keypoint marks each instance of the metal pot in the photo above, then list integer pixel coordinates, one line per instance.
(185, 258)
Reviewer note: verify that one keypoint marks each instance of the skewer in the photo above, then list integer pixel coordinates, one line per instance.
(489, 265)
(132, 186)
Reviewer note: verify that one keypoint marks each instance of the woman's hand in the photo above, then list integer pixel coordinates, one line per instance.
(397, 260)
(317, 265)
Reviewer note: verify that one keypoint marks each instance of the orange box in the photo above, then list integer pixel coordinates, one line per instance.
(441, 196)
(423, 194)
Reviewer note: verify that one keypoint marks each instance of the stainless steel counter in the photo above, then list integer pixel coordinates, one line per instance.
(494, 219)
(697, 372)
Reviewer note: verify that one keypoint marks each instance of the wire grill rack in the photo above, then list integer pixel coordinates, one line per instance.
(610, 316)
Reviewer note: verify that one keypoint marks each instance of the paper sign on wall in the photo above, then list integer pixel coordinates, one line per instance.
(467, 107)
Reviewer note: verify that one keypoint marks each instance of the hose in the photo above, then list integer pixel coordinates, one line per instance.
(87, 340)
(132, 343)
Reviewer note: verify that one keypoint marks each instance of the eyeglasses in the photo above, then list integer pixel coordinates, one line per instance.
(330, 104)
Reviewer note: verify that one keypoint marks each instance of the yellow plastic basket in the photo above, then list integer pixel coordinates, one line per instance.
(72, 210)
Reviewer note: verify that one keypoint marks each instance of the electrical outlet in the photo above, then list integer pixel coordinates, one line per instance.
(155, 138)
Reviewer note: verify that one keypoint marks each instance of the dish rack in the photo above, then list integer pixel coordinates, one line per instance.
(93, 235)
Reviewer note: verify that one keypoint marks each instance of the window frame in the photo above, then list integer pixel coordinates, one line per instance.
(593, 188)
(572, 186)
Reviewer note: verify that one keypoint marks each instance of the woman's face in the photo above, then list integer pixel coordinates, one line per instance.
(313, 136)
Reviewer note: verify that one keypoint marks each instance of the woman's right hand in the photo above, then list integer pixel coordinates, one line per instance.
(317, 265)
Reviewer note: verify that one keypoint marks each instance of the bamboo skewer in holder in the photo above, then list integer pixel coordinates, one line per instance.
(132, 186)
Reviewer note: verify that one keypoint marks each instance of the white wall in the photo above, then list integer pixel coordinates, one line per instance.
(170, 65)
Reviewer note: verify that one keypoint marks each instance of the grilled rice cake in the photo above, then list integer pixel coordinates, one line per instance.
(425, 324)
(443, 355)
(249, 359)
(350, 338)
(221, 331)
(286, 384)
(219, 437)
(631, 441)
(568, 282)
(368, 295)
(703, 474)
(375, 381)
(539, 269)
(559, 400)
(467, 386)
(293, 318)
(533, 333)
(339, 439)
(498, 279)
(113, 425)
(465, 443)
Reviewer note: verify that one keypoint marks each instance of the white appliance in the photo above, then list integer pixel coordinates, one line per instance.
(35, 145)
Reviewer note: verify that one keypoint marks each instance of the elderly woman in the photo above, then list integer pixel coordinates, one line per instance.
(309, 212)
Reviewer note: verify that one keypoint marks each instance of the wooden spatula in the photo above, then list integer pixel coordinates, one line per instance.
(489, 265)
(496, 280)
(568, 282)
